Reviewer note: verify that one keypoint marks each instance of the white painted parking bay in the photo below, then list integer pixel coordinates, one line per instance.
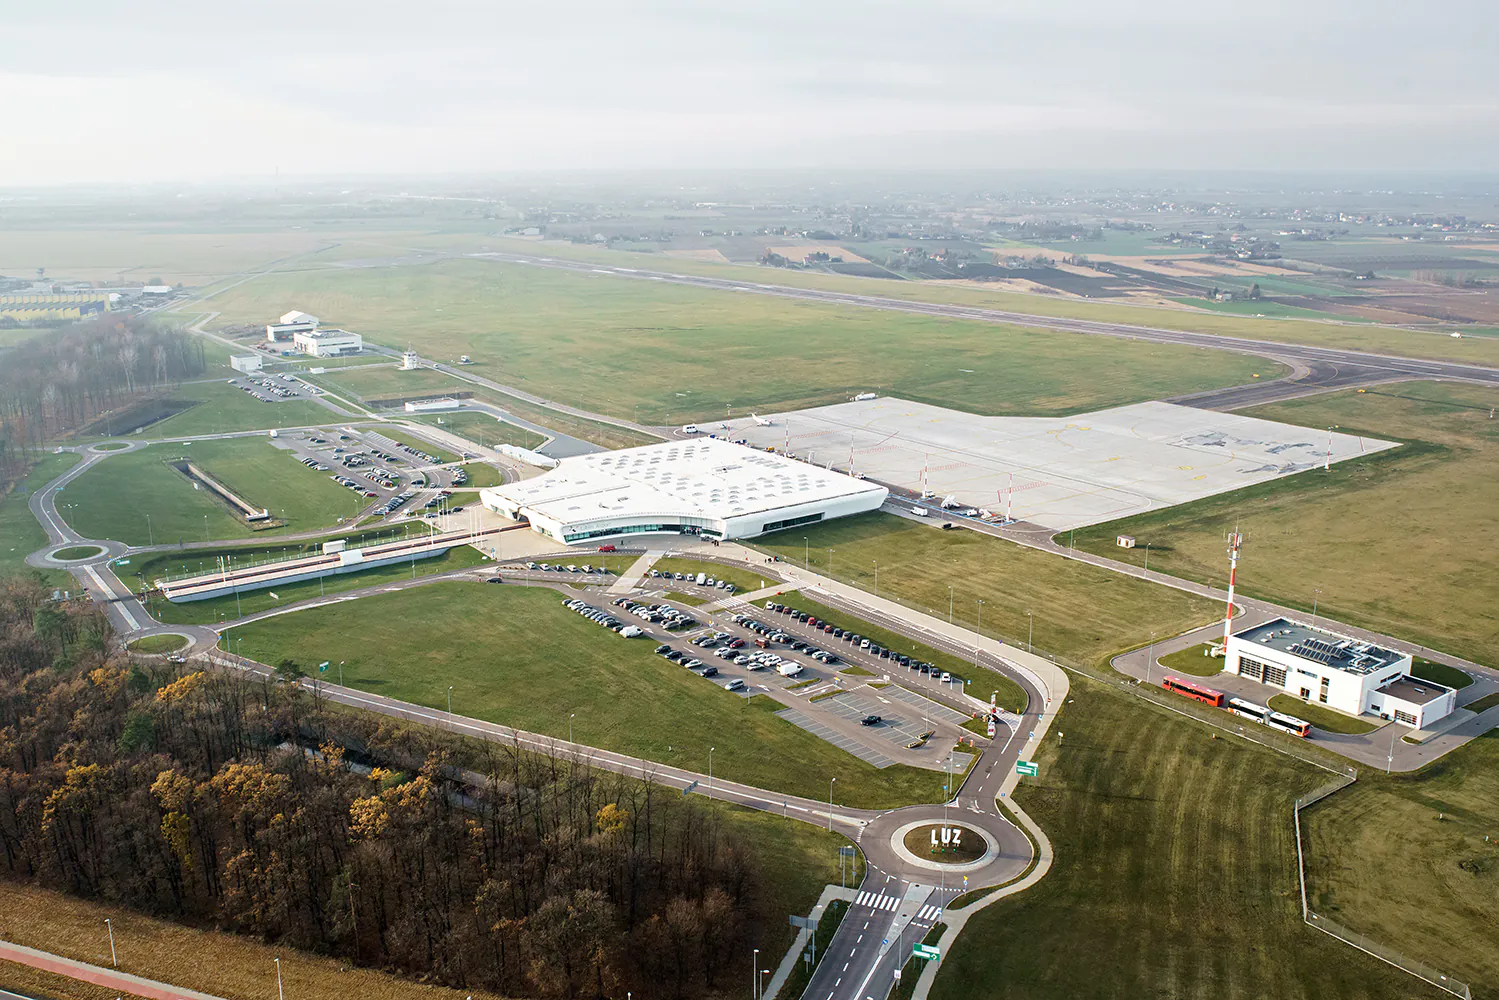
(1067, 471)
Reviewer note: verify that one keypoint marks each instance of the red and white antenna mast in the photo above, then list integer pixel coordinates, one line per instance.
(1234, 541)
(1010, 502)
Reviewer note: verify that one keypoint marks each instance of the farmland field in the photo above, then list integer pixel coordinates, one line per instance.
(1175, 874)
(1400, 542)
(402, 646)
(1081, 612)
(112, 499)
(669, 347)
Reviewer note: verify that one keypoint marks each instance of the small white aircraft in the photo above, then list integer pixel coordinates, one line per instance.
(762, 421)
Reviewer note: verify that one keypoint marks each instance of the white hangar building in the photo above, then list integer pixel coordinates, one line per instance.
(1349, 675)
(707, 487)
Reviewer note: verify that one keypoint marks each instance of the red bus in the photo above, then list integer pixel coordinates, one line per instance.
(1190, 690)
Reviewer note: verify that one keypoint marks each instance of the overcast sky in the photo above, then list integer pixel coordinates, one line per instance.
(105, 91)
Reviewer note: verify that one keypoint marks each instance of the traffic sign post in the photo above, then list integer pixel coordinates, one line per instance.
(1027, 769)
(322, 668)
(926, 951)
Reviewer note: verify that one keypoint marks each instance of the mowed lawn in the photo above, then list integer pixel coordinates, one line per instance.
(219, 408)
(1402, 542)
(1175, 874)
(1081, 613)
(483, 429)
(515, 656)
(112, 499)
(20, 532)
(670, 353)
(1404, 859)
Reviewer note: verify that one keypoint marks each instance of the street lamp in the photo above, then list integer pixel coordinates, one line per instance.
(1150, 659)
(1316, 596)
(806, 553)
(755, 974)
(280, 993)
(830, 562)
(150, 539)
(710, 771)
(113, 959)
(1030, 632)
(830, 802)
(570, 726)
(450, 706)
(876, 577)
(949, 604)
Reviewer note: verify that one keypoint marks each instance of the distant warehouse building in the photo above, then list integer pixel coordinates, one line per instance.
(1347, 674)
(246, 363)
(328, 343)
(290, 324)
(703, 487)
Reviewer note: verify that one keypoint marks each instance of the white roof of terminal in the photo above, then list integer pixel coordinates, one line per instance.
(703, 477)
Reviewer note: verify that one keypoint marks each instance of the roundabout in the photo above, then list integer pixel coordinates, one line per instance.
(76, 553)
(109, 446)
(945, 846)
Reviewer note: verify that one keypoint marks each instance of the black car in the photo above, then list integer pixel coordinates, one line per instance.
(663, 649)
(494, 579)
(871, 720)
(710, 671)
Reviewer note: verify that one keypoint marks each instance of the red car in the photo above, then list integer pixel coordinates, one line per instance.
(607, 548)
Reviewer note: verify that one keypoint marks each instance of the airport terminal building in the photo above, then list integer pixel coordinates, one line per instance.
(1349, 675)
(702, 487)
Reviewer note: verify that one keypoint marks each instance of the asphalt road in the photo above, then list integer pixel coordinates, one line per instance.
(1314, 368)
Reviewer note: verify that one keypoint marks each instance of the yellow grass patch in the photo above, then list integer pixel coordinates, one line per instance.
(799, 252)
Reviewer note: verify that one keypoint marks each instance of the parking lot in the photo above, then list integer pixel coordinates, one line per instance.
(749, 651)
(270, 388)
(397, 481)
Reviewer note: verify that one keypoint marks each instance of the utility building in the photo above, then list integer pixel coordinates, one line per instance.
(290, 324)
(703, 487)
(1346, 674)
(328, 343)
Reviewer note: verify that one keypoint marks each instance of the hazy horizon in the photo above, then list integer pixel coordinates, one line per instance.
(161, 94)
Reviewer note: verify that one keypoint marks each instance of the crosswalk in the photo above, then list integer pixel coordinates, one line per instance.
(878, 901)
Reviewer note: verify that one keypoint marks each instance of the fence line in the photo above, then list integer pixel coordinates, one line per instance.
(1362, 942)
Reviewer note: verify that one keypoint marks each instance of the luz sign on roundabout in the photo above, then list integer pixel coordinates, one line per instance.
(950, 846)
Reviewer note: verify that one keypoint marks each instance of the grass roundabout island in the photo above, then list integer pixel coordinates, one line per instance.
(111, 446)
(75, 552)
(165, 642)
(946, 843)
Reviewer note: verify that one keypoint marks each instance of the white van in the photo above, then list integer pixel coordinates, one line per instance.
(630, 631)
(702, 578)
(920, 512)
(789, 669)
(690, 429)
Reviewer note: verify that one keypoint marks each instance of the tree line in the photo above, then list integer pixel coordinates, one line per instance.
(220, 798)
(54, 384)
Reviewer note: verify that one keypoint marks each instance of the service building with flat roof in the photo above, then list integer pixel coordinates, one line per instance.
(1343, 673)
(701, 487)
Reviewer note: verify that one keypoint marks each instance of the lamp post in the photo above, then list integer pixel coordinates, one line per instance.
(1030, 632)
(570, 726)
(755, 976)
(280, 993)
(949, 604)
(113, 959)
(1316, 596)
(340, 673)
(450, 706)
(979, 629)
(150, 539)
(710, 771)
(806, 553)
(830, 562)
(830, 802)
(1150, 659)
(876, 577)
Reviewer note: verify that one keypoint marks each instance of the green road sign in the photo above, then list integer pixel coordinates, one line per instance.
(927, 951)
(322, 668)
(1027, 769)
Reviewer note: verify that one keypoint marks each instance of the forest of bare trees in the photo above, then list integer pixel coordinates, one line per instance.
(58, 382)
(221, 798)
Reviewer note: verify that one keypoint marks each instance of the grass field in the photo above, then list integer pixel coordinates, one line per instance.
(1011, 696)
(1175, 874)
(113, 499)
(482, 474)
(367, 382)
(158, 644)
(1440, 673)
(1483, 704)
(227, 609)
(1323, 718)
(1400, 542)
(1192, 661)
(20, 532)
(220, 408)
(548, 332)
(1383, 340)
(745, 581)
(624, 697)
(1433, 890)
(1081, 613)
(607, 435)
(483, 429)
